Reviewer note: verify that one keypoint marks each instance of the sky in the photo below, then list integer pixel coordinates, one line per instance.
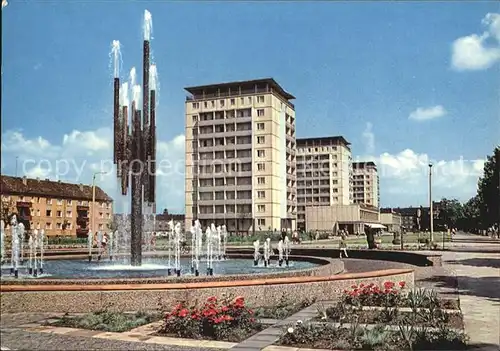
(406, 83)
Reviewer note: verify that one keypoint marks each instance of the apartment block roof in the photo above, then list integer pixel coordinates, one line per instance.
(51, 189)
(359, 165)
(256, 84)
(322, 141)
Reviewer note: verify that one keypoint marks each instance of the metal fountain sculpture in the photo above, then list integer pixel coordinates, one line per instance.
(135, 147)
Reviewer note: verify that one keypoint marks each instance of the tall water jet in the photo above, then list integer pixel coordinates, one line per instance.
(41, 242)
(31, 248)
(15, 246)
(169, 244)
(177, 230)
(286, 248)
(90, 243)
(196, 247)
(267, 252)
(208, 242)
(280, 252)
(224, 241)
(256, 253)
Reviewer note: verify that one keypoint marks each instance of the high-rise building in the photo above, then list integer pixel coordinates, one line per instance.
(366, 184)
(240, 156)
(324, 174)
(61, 209)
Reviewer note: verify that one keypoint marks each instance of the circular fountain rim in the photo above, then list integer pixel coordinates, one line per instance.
(185, 279)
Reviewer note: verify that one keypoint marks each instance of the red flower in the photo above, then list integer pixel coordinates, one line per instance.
(354, 286)
(402, 284)
(250, 311)
(183, 313)
(212, 299)
(388, 285)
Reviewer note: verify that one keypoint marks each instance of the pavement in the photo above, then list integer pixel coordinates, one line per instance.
(471, 272)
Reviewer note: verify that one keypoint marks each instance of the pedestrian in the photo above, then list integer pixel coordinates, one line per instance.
(343, 245)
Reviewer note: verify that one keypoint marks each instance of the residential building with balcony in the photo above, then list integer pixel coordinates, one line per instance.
(240, 156)
(61, 209)
(324, 174)
(365, 187)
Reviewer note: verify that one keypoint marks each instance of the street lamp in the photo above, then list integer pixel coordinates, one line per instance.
(92, 228)
(431, 210)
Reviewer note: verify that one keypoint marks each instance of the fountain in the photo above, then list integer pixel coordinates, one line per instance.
(224, 241)
(196, 247)
(177, 246)
(267, 252)
(135, 151)
(15, 229)
(90, 243)
(280, 252)
(256, 253)
(209, 249)
(286, 249)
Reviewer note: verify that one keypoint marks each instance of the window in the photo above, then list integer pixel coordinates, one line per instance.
(101, 215)
(195, 118)
(38, 213)
(69, 202)
(261, 194)
(242, 100)
(261, 208)
(249, 99)
(69, 214)
(261, 221)
(59, 225)
(261, 166)
(260, 126)
(261, 180)
(261, 153)
(48, 213)
(260, 99)
(233, 101)
(48, 225)
(222, 102)
(205, 104)
(196, 105)
(261, 140)
(49, 201)
(260, 112)
(59, 213)
(212, 103)
(101, 226)
(21, 198)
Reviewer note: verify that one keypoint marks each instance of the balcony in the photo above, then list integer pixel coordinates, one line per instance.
(82, 208)
(23, 204)
(82, 231)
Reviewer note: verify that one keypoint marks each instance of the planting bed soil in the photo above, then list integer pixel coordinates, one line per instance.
(106, 321)
(235, 335)
(423, 318)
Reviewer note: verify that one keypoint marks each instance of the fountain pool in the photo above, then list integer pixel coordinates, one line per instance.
(151, 268)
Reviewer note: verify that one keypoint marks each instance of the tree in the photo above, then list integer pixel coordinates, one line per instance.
(112, 225)
(488, 191)
(470, 220)
(451, 212)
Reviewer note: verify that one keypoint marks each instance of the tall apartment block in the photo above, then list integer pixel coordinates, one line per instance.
(366, 184)
(240, 156)
(324, 174)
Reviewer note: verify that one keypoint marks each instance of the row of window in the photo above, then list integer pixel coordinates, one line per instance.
(59, 225)
(59, 202)
(59, 214)
(232, 102)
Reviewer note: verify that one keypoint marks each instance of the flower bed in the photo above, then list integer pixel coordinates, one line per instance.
(106, 321)
(380, 338)
(394, 295)
(283, 309)
(222, 319)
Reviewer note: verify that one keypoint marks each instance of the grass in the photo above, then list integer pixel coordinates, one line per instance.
(107, 321)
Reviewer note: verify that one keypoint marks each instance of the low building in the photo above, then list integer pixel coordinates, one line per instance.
(162, 220)
(61, 209)
(391, 219)
(417, 218)
(352, 218)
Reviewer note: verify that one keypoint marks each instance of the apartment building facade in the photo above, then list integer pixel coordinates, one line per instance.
(365, 188)
(324, 174)
(240, 156)
(61, 209)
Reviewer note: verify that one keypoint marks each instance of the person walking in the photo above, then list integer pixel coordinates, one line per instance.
(343, 245)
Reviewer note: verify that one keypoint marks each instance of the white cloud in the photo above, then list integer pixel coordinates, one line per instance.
(404, 177)
(81, 153)
(474, 52)
(369, 138)
(427, 113)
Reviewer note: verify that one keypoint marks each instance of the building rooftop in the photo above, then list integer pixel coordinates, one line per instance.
(322, 141)
(238, 88)
(51, 189)
(367, 164)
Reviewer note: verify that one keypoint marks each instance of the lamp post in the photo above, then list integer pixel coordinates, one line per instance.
(431, 210)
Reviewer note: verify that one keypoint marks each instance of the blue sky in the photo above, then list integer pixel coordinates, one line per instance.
(358, 69)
